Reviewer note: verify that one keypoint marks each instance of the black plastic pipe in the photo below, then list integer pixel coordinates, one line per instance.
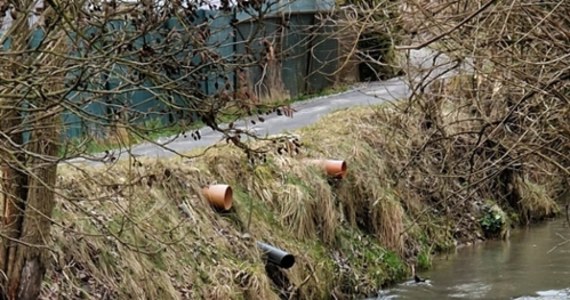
(277, 256)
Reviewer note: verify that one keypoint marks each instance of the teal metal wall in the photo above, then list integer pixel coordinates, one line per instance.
(307, 55)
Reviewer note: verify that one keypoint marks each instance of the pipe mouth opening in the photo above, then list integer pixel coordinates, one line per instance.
(338, 168)
(228, 198)
(343, 168)
(288, 261)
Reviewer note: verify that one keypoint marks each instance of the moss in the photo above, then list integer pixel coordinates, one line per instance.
(365, 265)
(424, 259)
(257, 209)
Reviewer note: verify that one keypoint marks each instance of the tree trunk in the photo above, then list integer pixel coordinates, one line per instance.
(13, 187)
(28, 261)
(14, 180)
(28, 172)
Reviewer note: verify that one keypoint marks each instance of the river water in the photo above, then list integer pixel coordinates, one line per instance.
(533, 264)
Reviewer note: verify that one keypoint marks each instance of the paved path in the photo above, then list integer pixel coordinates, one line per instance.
(308, 111)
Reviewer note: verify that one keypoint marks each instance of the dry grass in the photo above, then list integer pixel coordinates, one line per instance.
(152, 249)
(146, 231)
(535, 202)
(512, 113)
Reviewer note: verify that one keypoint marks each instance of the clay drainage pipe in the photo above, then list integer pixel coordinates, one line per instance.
(219, 196)
(333, 168)
(277, 256)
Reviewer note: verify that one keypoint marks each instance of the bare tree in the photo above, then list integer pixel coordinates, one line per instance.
(29, 172)
(82, 66)
(498, 129)
(106, 70)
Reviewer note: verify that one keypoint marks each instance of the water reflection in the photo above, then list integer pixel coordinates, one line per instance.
(533, 264)
(552, 294)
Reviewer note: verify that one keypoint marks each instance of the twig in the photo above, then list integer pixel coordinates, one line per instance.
(438, 37)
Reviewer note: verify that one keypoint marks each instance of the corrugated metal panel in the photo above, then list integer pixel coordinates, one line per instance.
(323, 59)
(277, 8)
(296, 57)
(250, 43)
(301, 71)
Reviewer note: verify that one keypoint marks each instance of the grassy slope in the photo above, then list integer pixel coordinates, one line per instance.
(349, 237)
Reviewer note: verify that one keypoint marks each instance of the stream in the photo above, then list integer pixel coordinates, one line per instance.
(533, 264)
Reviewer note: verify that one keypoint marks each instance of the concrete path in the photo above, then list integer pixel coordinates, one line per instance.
(308, 112)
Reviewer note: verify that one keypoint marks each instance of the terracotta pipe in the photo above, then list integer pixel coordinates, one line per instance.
(277, 256)
(333, 168)
(219, 195)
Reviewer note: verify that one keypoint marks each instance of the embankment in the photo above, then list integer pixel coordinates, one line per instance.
(143, 230)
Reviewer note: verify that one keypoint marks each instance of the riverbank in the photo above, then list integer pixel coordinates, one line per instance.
(530, 265)
(143, 230)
